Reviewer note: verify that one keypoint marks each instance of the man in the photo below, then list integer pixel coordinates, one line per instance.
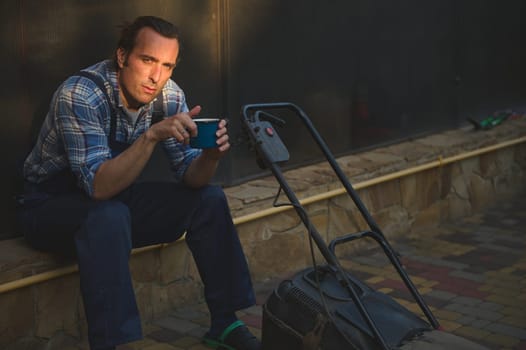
(82, 197)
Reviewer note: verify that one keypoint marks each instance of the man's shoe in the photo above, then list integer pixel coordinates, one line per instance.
(234, 337)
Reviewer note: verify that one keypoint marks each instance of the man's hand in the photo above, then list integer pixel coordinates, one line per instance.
(202, 169)
(180, 126)
(223, 144)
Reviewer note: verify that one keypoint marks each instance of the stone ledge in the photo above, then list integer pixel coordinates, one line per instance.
(19, 260)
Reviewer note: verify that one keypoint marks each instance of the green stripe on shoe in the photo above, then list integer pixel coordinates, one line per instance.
(219, 342)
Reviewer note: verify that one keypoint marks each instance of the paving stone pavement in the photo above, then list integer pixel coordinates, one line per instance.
(472, 274)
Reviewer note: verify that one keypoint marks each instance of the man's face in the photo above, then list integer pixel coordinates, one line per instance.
(144, 71)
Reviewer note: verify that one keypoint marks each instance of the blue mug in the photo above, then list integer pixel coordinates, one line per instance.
(206, 133)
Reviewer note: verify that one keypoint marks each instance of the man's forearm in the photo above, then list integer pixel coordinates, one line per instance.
(201, 171)
(116, 174)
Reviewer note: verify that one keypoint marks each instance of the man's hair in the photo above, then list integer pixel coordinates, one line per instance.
(129, 33)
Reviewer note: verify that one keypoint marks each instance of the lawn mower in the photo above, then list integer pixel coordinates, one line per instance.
(324, 306)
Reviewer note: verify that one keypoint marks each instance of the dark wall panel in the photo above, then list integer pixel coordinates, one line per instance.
(491, 58)
(374, 72)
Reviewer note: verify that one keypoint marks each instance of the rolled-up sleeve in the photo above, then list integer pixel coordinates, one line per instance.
(180, 155)
(81, 118)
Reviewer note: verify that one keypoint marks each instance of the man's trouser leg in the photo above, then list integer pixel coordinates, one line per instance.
(160, 212)
(210, 235)
(100, 231)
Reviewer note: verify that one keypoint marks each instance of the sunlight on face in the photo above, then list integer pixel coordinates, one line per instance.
(145, 70)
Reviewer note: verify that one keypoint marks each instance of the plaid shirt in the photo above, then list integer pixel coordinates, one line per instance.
(76, 129)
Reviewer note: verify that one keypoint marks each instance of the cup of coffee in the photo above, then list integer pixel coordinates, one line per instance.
(206, 133)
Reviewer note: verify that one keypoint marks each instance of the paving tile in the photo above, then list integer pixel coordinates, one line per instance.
(480, 324)
(386, 290)
(490, 306)
(447, 315)
(440, 294)
(372, 261)
(137, 345)
(450, 326)
(161, 346)
(472, 333)
(440, 262)
(252, 320)
(511, 290)
(254, 310)
(466, 320)
(469, 276)
(429, 284)
(176, 324)
(374, 271)
(164, 335)
(374, 280)
(466, 301)
(189, 313)
(475, 312)
(461, 287)
(505, 300)
(186, 341)
(198, 332)
(513, 311)
(501, 340)
(424, 290)
(435, 302)
(519, 333)
(204, 322)
(402, 302)
(486, 305)
(256, 332)
(516, 321)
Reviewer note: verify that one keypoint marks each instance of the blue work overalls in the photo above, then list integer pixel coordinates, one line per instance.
(101, 235)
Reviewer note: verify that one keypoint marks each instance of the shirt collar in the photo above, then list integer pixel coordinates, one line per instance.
(111, 73)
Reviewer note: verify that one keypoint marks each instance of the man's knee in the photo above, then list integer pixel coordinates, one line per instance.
(213, 196)
(212, 216)
(108, 222)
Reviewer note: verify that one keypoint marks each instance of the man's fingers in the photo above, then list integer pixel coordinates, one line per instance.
(223, 122)
(182, 135)
(195, 111)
